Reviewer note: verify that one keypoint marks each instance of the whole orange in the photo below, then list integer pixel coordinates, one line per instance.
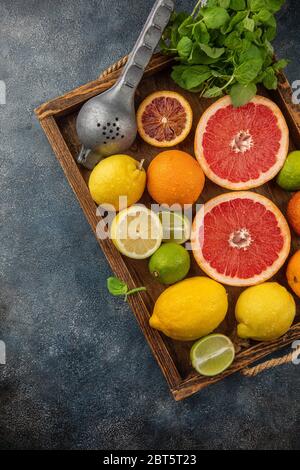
(175, 177)
(293, 273)
(293, 212)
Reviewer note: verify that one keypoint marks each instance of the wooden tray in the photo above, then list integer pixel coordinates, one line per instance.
(57, 118)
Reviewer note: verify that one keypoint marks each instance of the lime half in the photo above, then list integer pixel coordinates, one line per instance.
(212, 355)
(176, 227)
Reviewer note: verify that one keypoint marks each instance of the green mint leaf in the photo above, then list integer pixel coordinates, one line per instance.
(212, 3)
(256, 5)
(215, 17)
(271, 29)
(201, 34)
(274, 5)
(238, 5)
(224, 3)
(213, 92)
(175, 24)
(272, 21)
(247, 72)
(255, 36)
(250, 52)
(280, 64)
(217, 74)
(195, 75)
(235, 20)
(249, 24)
(116, 287)
(213, 52)
(176, 20)
(270, 33)
(269, 49)
(199, 57)
(186, 27)
(177, 74)
(184, 47)
(233, 41)
(241, 94)
(270, 80)
(263, 16)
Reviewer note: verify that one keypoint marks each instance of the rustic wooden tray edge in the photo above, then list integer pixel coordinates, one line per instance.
(47, 115)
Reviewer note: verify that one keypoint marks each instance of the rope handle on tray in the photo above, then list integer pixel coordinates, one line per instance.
(114, 67)
(253, 371)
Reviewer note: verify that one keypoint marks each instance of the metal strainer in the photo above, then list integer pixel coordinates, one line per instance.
(106, 124)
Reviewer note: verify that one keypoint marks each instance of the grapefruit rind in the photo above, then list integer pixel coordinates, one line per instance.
(189, 119)
(252, 183)
(236, 281)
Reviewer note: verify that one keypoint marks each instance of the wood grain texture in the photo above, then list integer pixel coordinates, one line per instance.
(58, 119)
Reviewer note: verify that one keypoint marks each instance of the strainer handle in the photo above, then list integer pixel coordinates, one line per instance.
(146, 44)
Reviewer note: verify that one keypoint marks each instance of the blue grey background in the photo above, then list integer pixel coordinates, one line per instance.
(79, 373)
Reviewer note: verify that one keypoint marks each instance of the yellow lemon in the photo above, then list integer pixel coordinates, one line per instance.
(116, 176)
(265, 312)
(190, 309)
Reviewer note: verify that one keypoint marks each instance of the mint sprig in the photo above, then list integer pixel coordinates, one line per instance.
(117, 287)
(224, 47)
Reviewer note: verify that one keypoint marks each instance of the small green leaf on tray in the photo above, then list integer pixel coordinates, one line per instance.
(117, 287)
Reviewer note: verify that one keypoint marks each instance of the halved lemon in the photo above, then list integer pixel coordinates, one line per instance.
(164, 119)
(137, 232)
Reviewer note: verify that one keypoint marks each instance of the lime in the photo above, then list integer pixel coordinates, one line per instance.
(289, 177)
(136, 232)
(212, 355)
(170, 263)
(176, 227)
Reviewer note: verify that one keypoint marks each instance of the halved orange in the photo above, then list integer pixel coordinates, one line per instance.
(164, 119)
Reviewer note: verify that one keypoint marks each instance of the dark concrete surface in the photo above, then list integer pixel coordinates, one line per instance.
(79, 373)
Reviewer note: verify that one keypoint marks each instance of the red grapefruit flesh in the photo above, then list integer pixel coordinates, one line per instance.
(240, 239)
(242, 148)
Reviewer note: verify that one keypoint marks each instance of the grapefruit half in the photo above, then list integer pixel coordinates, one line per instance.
(242, 148)
(240, 239)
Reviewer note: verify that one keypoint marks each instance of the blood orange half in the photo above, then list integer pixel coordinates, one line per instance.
(164, 119)
(242, 148)
(240, 239)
